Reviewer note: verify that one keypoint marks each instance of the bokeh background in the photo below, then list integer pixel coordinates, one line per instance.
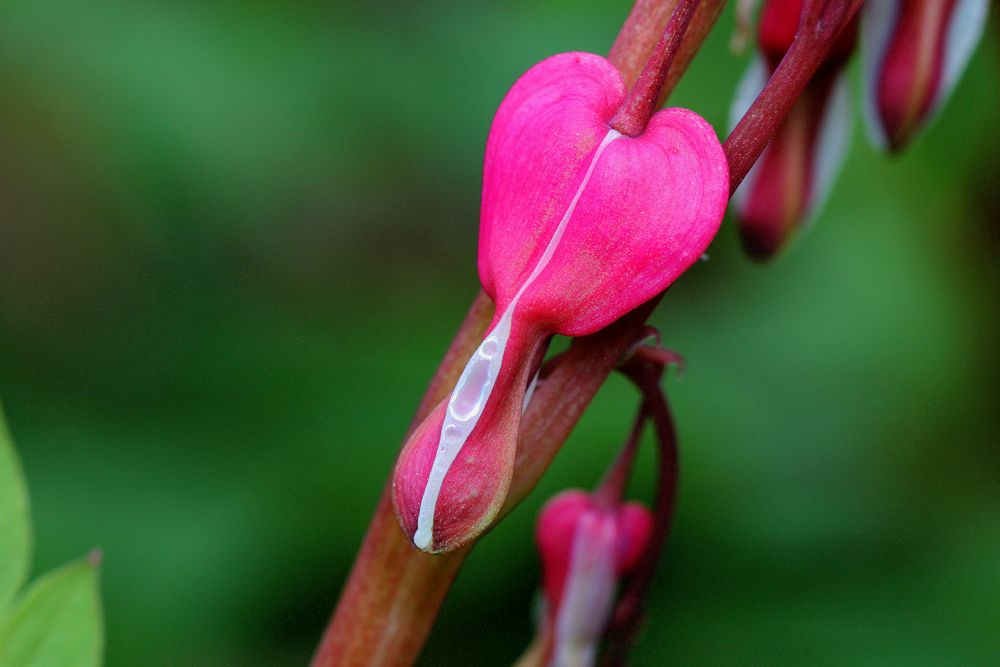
(236, 237)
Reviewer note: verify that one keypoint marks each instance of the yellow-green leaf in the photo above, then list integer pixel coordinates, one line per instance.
(56, 622)
(15, 524)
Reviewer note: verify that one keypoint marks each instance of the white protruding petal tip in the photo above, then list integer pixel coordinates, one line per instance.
(968, 19)
(831, 147)
(878, 18)
(747, 90)
(422, 539)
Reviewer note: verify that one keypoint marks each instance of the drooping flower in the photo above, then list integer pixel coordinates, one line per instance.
(586, 548)
(914, 53)
(794, 174)
(599, 552)
(579, 225)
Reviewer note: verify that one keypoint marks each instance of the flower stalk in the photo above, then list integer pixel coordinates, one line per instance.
(644, 97)
(391, 598)
(646, 369)
(394, 591)
(643, 29)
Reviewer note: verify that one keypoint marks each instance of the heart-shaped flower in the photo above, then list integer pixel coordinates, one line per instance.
(580, 224)
(586, 548)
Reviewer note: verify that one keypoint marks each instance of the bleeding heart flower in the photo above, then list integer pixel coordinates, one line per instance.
(793, 176)
(586, 548)
(580, 224)
(914, 52)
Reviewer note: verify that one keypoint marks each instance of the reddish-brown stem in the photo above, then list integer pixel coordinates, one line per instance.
(391, 580)
(811, 10)
(644, 97)
(646, 372)
(663, 357)
(393, 594)
(821, 25)
(568, 384)
(643, 29)
(611, 490)
(391, 598)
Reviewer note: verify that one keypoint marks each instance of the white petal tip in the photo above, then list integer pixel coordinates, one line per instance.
(422, 539)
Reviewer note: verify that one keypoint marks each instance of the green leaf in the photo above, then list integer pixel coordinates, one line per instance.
(56, 622)
(15, 524)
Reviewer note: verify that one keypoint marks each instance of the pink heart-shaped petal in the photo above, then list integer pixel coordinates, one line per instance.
(649, 207)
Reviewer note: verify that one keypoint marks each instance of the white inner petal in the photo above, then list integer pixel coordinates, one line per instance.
(588, 594)
(747, 90)
(878, 19)
(530, 391)
(965, 28)
(749, 87)
(831, 146)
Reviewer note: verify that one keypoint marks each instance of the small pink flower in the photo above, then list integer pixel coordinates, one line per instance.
(580, 224)
(586, 548)
(794, 174)
(914, 52)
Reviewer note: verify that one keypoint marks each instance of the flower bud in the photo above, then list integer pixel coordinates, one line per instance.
(579, 225)
(585, 549)
(793, 176)
(914, 52)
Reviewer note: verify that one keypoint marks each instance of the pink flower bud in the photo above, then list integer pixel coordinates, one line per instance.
(580, 224)
(585, 549)
(914, 53)
(793, 176)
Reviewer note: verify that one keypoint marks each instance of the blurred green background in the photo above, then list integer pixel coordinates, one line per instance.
(236, 237)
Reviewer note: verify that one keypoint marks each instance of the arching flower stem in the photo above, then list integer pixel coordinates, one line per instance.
(644, 97)
(642, 32)
(611, 490)
(646, 369)
(393, 594)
